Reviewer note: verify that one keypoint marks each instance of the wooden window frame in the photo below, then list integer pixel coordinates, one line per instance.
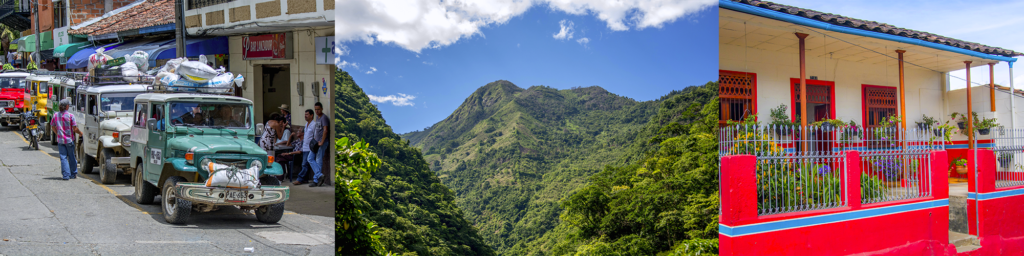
(864, 101)
(794, 82)
(753, 92)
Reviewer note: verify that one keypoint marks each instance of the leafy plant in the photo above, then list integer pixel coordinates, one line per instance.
(927, 121)
(985, 123)
(780, 118)
(960, 161)
(750, 121)
(358, 234)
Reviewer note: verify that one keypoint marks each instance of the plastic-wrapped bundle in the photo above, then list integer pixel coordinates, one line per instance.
(140, 58)
(232, 177)
(196, 71)
(97, 59)
(221, 82)
(130, 71)
(165, 78)
(172, 65)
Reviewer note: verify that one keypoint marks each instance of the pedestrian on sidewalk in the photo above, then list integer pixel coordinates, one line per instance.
(64, 127)
(322, 123)
(307, 149)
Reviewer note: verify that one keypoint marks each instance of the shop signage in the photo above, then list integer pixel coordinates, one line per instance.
(325, 50)
(60, 36)
(270, 46)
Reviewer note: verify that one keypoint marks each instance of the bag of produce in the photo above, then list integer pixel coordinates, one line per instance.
(97, 59)
(172, 65)
(130, 71)
(232, 177)
(140, 58)
(196, 71)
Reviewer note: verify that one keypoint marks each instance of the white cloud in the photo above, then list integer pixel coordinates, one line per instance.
(426, 24)
(372, 69)
(400, 100)
(565, 32)
(428, 63)
(517, 45)
(583, 41)
(344, 64)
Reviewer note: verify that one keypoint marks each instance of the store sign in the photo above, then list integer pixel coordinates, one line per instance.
(325, 50)
(271, 46)
(60, 37)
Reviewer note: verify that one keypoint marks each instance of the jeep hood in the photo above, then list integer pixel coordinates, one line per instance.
(216, 144)
(121, 124)
(12, 94)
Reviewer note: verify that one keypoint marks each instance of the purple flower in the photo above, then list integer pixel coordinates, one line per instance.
(824, 169)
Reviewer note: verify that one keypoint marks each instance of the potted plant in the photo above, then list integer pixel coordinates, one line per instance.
(1004, 159)
(985, 126)
(945, 131)
(961, 120)
(961, 165)
(749, 122)
(926, 122)
(852, 130)
(781, 123)
(830, 123)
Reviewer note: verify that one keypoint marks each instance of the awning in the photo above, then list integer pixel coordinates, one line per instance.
(17, 42)
(30, 42)
(193, 48)
(81, 58)
(65, 51)
(130, 47)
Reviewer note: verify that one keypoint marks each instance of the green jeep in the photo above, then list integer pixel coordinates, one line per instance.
(175, 138)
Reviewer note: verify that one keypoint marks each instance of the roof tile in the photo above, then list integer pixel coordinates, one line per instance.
(150, 13)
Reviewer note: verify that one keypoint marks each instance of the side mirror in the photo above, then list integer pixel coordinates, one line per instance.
(151, 124)
(259, 129)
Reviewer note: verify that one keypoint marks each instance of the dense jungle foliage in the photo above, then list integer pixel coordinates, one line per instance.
(409, 210)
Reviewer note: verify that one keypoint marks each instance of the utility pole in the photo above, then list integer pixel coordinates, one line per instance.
(179, 25)
(39, 38)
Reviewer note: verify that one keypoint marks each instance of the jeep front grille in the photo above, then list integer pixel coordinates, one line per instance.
(6, 103)
(240, 164)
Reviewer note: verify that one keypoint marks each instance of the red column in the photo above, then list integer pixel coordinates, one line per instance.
(940, 174)
(738, 189)
(853, 172)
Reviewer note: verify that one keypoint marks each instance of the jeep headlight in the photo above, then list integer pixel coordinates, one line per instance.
(257, 164)
(126, 140)
(205, 164)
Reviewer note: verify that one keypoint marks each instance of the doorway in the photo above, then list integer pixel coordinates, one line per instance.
(820, 106)
(276, 86)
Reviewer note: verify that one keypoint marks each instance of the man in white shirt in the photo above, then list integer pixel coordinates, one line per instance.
(307, 141)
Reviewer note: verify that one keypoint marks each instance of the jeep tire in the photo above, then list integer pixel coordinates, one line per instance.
(108, 170)
(144, 191)
(176, 210)
(85, 160)
(270, 214)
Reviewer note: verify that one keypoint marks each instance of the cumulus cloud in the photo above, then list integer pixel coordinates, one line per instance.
(401, 100)
(372, 69)
(566, 30)
(425, 24)
(344, 64)
(428, 63)
(583, 41)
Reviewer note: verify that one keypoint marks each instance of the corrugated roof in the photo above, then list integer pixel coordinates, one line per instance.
(146, 14)
(879, 27)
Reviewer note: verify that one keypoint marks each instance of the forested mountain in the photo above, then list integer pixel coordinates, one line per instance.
(511, 154)
(414, 212)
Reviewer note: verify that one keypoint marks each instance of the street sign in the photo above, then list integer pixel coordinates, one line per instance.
(270, 46)
(325, 50)
(60, 37)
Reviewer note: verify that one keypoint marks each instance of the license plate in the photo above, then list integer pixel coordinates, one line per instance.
(236, 196)
(34, 132)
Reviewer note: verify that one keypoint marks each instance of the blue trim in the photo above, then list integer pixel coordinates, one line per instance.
(980, 146)
(157, 28)
(826, 219)
(994, 195)
(754, 10)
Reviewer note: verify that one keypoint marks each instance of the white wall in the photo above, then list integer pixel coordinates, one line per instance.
(924, 88)
(981, 104)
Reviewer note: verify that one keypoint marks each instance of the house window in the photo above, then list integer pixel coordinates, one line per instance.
(60, 17)
(737, 94)
(879, 102)
(820, 100)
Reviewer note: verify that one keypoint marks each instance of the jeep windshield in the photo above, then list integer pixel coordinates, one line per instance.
(118, 101)
(11, 83)
(215, 115)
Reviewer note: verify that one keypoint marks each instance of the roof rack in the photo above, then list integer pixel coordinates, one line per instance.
(117, 80)
(191, 89)
(22, 70)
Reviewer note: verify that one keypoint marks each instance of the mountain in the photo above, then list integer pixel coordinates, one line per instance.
(511, 155)
(414, 212)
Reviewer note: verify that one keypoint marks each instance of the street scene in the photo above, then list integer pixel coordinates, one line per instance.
(166, 127)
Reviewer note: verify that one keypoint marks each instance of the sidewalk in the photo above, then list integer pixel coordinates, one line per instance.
(317, 201)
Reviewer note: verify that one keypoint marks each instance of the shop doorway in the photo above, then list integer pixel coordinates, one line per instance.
(276, 88)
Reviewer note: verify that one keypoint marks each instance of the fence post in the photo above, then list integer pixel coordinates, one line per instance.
(739, 189)
(852, 179)
(940, 174)
(986, 180)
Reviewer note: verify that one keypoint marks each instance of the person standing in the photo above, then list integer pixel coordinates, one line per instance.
(307, 141)
(287, 116)
(322, 123)
(64, 127)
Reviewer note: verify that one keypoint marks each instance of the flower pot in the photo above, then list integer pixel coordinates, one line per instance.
(962, 125)
(961, 170)
(827, 126)
(923, 126)
(938, 132)
(781, 131)
(984, 131)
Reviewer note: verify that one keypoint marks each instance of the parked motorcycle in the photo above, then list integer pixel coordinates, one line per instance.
(31, 131)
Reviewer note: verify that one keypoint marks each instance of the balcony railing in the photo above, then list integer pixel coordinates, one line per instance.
(806, 168)
(196, 4)
(1009, 150)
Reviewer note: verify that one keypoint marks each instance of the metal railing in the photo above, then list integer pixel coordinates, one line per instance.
(1009, 150)
(196, 4)
(804, 168)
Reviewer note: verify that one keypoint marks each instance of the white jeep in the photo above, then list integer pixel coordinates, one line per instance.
(104, 114)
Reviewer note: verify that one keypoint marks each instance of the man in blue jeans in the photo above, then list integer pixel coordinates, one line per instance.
(307, 141)
(64, 127)
(322, 123)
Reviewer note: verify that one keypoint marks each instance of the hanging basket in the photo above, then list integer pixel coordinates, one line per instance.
(962, 125)
(938, 132)
(984, 131)
(923, 126)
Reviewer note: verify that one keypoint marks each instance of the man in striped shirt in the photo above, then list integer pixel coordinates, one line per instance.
(64, 127)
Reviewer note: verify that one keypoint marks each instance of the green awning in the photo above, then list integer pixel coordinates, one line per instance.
(65, 51)
(20, 41)
(30, 42)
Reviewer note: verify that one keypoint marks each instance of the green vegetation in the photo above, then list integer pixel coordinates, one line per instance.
(407, 209)
(355, 233)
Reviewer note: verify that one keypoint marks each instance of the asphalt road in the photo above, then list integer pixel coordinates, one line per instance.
(41, 214)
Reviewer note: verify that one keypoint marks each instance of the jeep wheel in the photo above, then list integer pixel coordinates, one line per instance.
(176, 210)
(4, 123)
(270, 214)
(108, 170)
(144, 191)
(85, 160)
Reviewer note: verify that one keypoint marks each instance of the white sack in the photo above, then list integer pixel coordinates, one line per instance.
(231, 177)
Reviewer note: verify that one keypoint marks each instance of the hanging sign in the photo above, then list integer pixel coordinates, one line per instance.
(269, 46)
(324, 50)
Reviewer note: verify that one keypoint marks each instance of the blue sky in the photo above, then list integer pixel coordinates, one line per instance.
(992, 23)
(414, 89)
